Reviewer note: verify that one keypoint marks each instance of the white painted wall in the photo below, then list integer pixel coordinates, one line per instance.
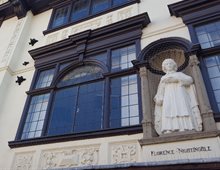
(13, 97)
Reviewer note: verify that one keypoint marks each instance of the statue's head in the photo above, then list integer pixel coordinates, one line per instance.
(169, 65)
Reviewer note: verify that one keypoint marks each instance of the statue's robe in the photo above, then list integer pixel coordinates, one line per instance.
(179, 110)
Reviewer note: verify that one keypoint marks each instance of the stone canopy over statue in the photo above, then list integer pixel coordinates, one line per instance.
(176, 107)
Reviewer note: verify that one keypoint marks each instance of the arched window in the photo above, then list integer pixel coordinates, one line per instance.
(78, 103)
(101, 94)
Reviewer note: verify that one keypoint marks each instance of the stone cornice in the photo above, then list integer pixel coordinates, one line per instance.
(195, 11)
(182, 8)
(91, 39)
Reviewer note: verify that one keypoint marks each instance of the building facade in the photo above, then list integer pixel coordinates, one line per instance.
(78, 80)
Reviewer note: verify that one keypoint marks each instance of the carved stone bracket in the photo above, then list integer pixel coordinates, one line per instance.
(19, 8)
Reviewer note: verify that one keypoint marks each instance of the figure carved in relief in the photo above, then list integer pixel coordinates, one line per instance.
(176, 107)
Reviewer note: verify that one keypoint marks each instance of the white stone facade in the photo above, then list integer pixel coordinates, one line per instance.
(125, 149)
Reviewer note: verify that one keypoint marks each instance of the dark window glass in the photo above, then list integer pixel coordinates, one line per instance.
(100, 5)
(80, 10)
(209, 34)
(45, 78)
(35, 117)
(78, 109)
(64, 65)
(121, 58)
(100, 57)
(119, 2)
(89, 114)
(213, 68)
(124, 102)
(60, 17)
(63, 111)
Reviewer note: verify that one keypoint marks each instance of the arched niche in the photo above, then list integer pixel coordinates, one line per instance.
(156, 52)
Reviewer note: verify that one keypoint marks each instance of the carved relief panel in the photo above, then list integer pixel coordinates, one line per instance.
(124, 153)
(69, 157)
(93, 24)
(23, 161)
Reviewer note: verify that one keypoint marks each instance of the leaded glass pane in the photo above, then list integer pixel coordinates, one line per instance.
(213, 67)
(35, 116)
(82, 74)
(124, 102)
(208, 35)
(80, 10)
(121, 58)
(45, 78)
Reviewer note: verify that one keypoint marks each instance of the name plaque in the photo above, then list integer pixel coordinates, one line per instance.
(181, 151)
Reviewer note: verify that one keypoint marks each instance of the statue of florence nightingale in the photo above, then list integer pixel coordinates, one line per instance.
(176, 106)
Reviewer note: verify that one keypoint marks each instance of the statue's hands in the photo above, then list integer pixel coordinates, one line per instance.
(170, 80)
(158, 102)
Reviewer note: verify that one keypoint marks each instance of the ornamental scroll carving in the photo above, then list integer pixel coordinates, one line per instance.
(69, 157)
(23, 161)
(124, 153)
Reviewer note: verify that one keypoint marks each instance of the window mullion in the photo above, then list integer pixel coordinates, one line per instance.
(90, 7)
(106, 112)
(70, 11)
(111, 3)
(76, 108)
(48, 113)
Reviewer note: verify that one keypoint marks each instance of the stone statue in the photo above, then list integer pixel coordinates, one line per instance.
(176, 107)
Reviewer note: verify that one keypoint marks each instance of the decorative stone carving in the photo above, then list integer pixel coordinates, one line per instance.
(124, 14)
(13, 40)
(109, 19)
(69, 157)
(176, 106)
(23, 161)
(89, 25)
(93, 24)
(64, 34)
(124, 153)
(52, 38)
(19, 8)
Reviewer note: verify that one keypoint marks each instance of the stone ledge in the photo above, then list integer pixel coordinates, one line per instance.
(176, 137)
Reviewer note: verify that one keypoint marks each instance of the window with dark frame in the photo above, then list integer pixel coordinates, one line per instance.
(208, 35)
(203, 21)
(81, 9)
(79, 102)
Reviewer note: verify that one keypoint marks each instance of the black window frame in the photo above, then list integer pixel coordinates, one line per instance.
(52, 91)
(89, 43)
(70, 4)
(205, 53)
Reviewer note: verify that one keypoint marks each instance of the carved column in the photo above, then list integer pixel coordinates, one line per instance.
(204, 105)
(147, 122)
